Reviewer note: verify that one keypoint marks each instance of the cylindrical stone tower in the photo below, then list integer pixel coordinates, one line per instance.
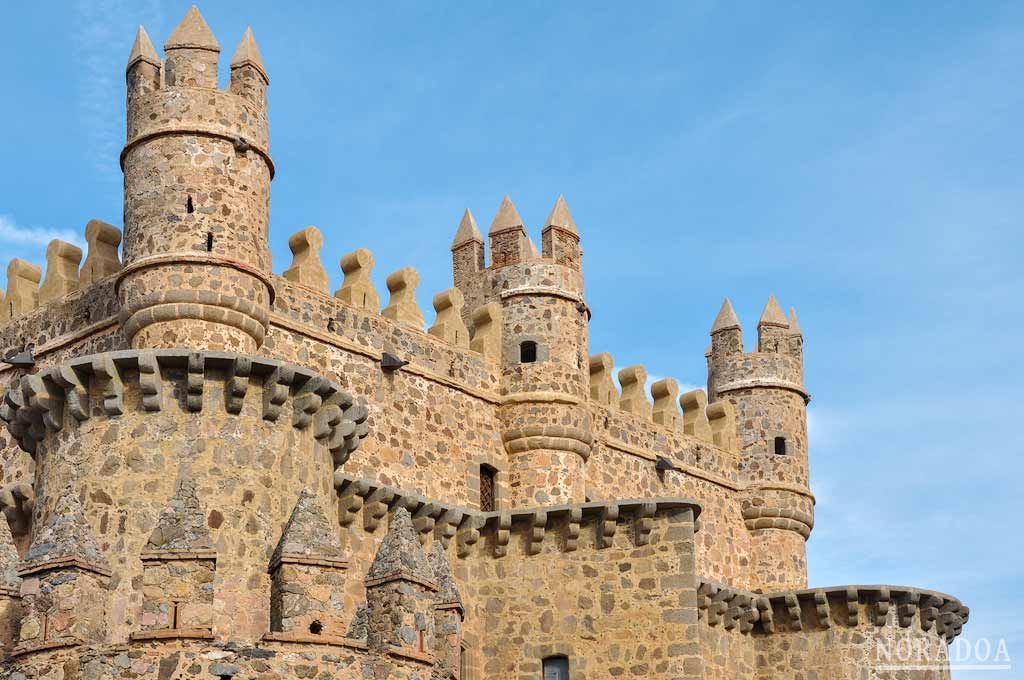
(544, 363)
(197, 174)
(766, 388)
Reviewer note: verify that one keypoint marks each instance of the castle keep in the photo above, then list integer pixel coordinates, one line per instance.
(212, 471)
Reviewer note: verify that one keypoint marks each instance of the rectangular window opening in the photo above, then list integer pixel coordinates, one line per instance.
(488, 488)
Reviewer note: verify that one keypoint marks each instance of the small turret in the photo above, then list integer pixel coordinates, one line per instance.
(765, 389)
(248, 75)
(197, 174)
(507, 235)
(795, 338)
(192, 53)
(178, 567)
(467, 249)
(308, 574)
(143, 70)
(772, 328)
(449, 614)
(543, 347)
(560, 240)
(401, 592)
(64, 581)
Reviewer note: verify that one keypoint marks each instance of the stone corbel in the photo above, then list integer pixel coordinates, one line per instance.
(572, 529)
(539, 524)
(608, 525)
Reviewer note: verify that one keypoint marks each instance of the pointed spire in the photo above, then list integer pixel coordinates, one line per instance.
(192, 33)
(794, 325)
(507, 217)
(65, 536)
(447, 589)
(308, 533)
(8, 557)
(561, 217)
(143, 50)
(248, 54)
(773, 314)
(531, 249)
(182, 524)
(726, 318)
(400, 554)
(467, 231)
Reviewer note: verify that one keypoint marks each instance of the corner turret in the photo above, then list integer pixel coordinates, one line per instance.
(197, 174)
(765, 388)
(544, 348)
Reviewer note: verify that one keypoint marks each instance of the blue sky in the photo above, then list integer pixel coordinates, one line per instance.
(862, 162)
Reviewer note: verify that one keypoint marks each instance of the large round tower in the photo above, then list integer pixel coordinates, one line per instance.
(197, 174)
(766, 388)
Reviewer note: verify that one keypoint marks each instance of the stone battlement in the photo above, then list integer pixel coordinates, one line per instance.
(212, 469)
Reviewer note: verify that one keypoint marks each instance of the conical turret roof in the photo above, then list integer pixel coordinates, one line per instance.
(467, 231)
(400, 554)
(248, 54)
(507, 217)
(193, 32)
(447, 589)
(182, 523)
(561, 217)
(726, 318)
(143, 50)
(794, 325)
(773, 314)
(308, 532)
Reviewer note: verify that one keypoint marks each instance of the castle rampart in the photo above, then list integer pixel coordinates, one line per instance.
(181, 455)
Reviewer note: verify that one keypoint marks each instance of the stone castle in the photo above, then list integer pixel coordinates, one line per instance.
(211, 471)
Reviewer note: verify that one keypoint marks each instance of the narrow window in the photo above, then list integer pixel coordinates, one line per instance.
(527, 352)
(780, 446)
(488, 477)
(209, 241)
(556, 668)
(189, 208)
(316, 628)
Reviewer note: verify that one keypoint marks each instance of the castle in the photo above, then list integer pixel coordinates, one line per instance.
(211, 471)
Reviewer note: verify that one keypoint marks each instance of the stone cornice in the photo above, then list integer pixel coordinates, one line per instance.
(202, 131)
(37, 404)
(372, 501)
(178, 555)
(308, 561)
(823, 608)
(763, 382)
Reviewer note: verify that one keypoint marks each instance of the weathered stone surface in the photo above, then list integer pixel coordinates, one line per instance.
(209, 474)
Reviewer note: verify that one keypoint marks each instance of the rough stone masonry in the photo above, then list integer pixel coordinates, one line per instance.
(210, 471)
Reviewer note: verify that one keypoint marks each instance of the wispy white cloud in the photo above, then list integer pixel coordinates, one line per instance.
(12, 233)
(103, 35)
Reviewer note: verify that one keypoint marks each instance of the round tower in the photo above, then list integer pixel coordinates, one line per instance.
(766, 388)
(197, 174)
(544, 357)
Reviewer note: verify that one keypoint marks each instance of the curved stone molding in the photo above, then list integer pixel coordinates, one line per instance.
(46, 402)
(847, 606)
